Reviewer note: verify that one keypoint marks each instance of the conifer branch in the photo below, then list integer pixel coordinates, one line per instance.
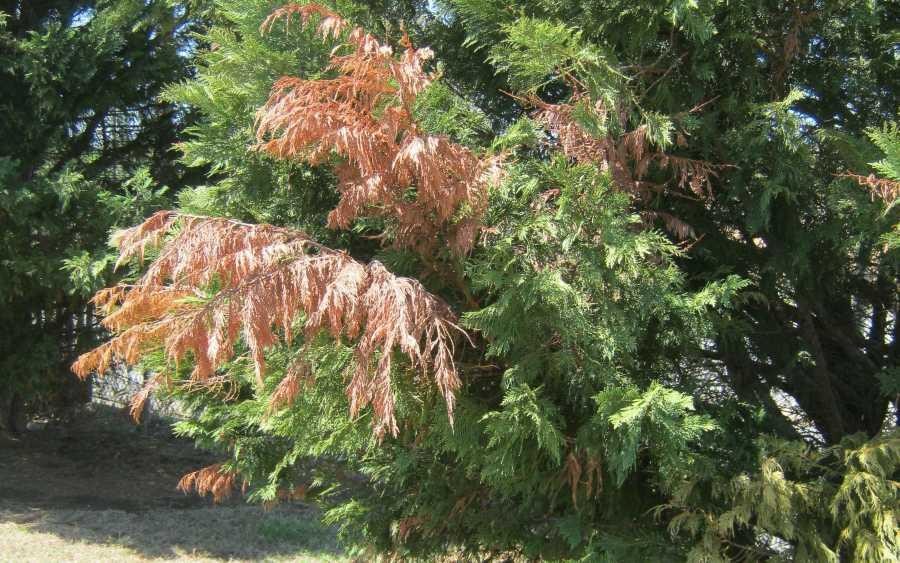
(217, 280)
(882, 188)
(426, 185)
(213, 480)
(627, 157)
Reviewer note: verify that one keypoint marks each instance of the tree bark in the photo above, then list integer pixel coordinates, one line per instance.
(12, 413)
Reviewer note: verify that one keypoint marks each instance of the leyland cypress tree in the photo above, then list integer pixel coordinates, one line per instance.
(631, 295)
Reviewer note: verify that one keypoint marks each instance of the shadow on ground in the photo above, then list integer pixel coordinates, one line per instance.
(100, 482)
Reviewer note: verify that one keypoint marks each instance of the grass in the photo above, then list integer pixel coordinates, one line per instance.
(230, 533)
(99, 490)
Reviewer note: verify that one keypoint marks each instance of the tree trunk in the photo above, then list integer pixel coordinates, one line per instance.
(12, 413)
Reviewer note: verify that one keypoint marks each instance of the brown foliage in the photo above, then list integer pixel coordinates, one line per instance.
(296, 378)
(791, 45)
(406, 526)
(212, 480)
(588, 473)
(627, 156)
(217, 280)
(425, 184)
(882, 188)
(139, 400)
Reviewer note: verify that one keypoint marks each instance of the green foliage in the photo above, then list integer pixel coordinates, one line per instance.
(848, 489)
(887, 139)
(439, 111)
(232, 81)
(627, 396)
(84, 148)
(658, 419)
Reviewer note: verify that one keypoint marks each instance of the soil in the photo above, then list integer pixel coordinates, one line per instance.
(99, 488)
(99, 460)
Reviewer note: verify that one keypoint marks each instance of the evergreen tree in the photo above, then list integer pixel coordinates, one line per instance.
(84, 145)
(679, 305)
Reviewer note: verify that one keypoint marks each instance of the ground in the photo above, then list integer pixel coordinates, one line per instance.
(101, 489)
